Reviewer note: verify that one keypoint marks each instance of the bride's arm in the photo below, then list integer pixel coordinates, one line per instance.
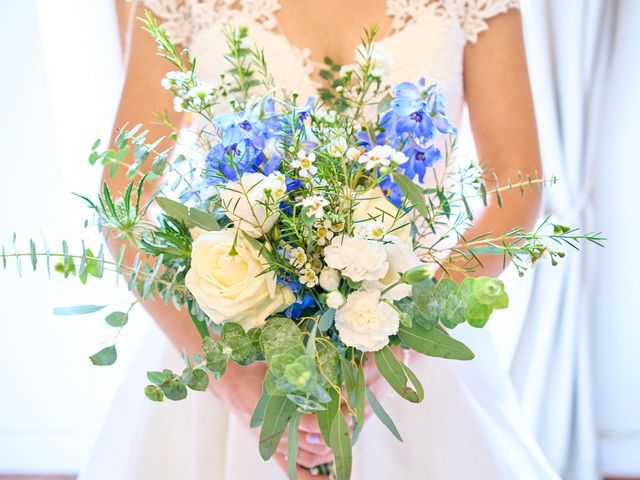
(502, 118)
(141, 96)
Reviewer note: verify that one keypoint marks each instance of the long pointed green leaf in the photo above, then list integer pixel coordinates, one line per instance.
(413, 193)
(434, 343)
(192, 217)
(341, 447)
(325, 417)
(382, 414)
(292, 446)
(277, 413)
(258, 413)
(77, 309)
(392, 370)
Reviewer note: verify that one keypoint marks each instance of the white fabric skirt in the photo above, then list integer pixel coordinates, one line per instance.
(468, 426)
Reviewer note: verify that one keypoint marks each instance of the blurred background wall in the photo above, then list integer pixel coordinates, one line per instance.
(570, 343)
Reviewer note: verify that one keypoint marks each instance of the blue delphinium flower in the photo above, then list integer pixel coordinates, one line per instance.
(419, 158)
(227, 162)
(416, 117)
(249, 142)
(391, 190)
(301, 304)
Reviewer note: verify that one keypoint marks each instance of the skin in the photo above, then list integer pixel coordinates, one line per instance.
(498, 94)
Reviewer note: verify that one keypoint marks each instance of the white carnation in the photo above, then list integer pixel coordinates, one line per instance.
(357, 258)
(365, 322)
(401, 258)
(329, 279)
(246, 203)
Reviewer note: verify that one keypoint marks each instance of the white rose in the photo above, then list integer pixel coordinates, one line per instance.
(245, 203)
(373, 206)
(335, 300)
(230, 288)
(329, 279)
(357, 258)
(401, 258)
(365, 322)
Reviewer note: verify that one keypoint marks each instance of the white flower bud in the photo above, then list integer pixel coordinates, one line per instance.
(335, 300)
(329, 279)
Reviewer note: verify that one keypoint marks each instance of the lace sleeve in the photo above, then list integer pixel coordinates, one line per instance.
(475, 13)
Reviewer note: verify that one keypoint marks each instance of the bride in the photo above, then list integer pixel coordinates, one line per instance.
(469, 425)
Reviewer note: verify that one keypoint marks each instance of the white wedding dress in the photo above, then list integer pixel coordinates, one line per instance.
(469, 425)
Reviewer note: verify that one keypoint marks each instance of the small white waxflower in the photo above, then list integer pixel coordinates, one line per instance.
(276, 185)
(328, 116)
(378, 156)
(298, 257)
(335, 300)
(202, 95)
(346, 70)
(365, 321)
(304, 164)
(329, 279)
(398, 158)
(308, 276)
(338, 148)
(357, 258)
(316, 204)
(323, 232)
(316, 263)
(353, 153)
(179, 104)
(382, 62)
(174, 78)
(373, 229)
(337, 226)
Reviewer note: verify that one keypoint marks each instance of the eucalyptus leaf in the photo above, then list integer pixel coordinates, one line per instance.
(154, 393)
(158, 378)
(174, 389)
(117, 319)
(195, 378)
(326, 320)
(106, 356)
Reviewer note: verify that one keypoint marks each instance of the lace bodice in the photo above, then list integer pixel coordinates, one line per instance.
(427, 39)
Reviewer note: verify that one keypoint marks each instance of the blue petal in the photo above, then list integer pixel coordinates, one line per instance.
(407, 90)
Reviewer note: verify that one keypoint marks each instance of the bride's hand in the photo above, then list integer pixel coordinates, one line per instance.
(312, 449)
(240, 388)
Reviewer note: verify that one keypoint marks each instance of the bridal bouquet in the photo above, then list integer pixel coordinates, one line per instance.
(299, 233)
